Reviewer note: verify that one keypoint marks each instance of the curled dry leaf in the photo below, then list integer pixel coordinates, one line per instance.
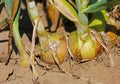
(65, 8)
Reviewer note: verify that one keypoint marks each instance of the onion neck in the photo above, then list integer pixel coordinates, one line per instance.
(82, 29)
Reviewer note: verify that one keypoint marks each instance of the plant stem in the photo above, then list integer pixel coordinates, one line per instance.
(18, 40)
(34, 14)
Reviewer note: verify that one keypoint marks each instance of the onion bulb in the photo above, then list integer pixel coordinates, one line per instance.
(53, 47)
(83, 49)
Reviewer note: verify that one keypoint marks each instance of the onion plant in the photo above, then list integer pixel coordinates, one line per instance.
(53, 46)
(84, 43)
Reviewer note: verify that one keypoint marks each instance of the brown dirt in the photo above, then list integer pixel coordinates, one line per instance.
(96, 71)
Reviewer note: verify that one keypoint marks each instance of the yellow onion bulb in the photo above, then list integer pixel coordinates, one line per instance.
(53, 44)
(83, 49)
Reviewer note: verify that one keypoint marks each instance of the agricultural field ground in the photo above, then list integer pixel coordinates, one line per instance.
(97, 71)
